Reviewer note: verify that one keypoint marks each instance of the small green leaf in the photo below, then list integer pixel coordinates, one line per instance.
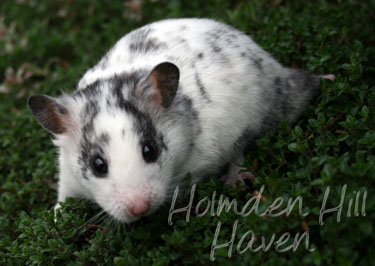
(321, 119)
(119, 261)
(298, 130)
(364, 112)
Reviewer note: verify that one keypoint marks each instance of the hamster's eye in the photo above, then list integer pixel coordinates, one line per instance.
(149, 152)
(99, 166)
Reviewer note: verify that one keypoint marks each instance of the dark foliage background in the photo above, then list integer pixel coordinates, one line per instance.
(45, 46)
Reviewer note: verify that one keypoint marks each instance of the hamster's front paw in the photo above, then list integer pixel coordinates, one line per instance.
(56, 209)
(233, 175)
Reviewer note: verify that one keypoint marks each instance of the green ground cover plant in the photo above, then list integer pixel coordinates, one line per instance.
(45, 46)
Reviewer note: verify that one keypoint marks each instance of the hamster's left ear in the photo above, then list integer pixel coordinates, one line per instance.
(52, 115)
(162, 84)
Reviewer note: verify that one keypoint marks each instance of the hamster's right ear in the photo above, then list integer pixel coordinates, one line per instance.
(50, 114)
(159, 88)
(164, 79)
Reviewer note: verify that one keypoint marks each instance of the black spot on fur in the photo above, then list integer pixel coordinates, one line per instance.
(217, 39)
(89, 92)
(213, 36)
(88, 114)
(228, 40)
(233, 36)
(202, 89)
(281, 101)
(108, 101)
(140, 41)
(184, 107)
(91, 145)
(188, 106)
(150, 45)
(200, 55)
(141, 34)
(216, 48)
(276, 108)
(258, 63)
(127, 81)
(222, 31)
(218, 51)
(90, 110)
(277, 83)
(104, 138)
(213, 40)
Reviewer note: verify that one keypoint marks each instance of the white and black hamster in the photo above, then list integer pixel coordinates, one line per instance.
(173, 97)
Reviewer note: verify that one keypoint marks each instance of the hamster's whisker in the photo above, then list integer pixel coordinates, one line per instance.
(93, 219)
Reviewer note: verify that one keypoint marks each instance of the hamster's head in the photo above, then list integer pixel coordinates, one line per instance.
(111, 140)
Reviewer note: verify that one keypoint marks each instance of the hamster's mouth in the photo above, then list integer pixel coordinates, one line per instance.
(127, 217)
(129, 214)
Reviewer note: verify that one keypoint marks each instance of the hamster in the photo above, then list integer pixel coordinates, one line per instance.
(173, 97)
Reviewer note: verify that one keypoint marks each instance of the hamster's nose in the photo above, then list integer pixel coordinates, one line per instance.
(139, 207)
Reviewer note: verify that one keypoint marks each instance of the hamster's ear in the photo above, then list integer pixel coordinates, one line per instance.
(50, 114)
(164, 83)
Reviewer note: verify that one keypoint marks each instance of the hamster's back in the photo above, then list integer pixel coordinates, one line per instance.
(234, 87)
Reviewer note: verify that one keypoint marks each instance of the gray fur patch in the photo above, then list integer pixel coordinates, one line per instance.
(91, 145)
(257, 61)
(202, 89)
(291, 94)
(183, 106)
(140, 42)
(89, 92)
(281, 101)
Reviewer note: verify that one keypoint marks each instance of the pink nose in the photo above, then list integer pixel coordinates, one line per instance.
(139, 208)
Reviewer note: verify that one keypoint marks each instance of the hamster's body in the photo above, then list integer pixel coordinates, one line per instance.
(227, 83)
(218, 91)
